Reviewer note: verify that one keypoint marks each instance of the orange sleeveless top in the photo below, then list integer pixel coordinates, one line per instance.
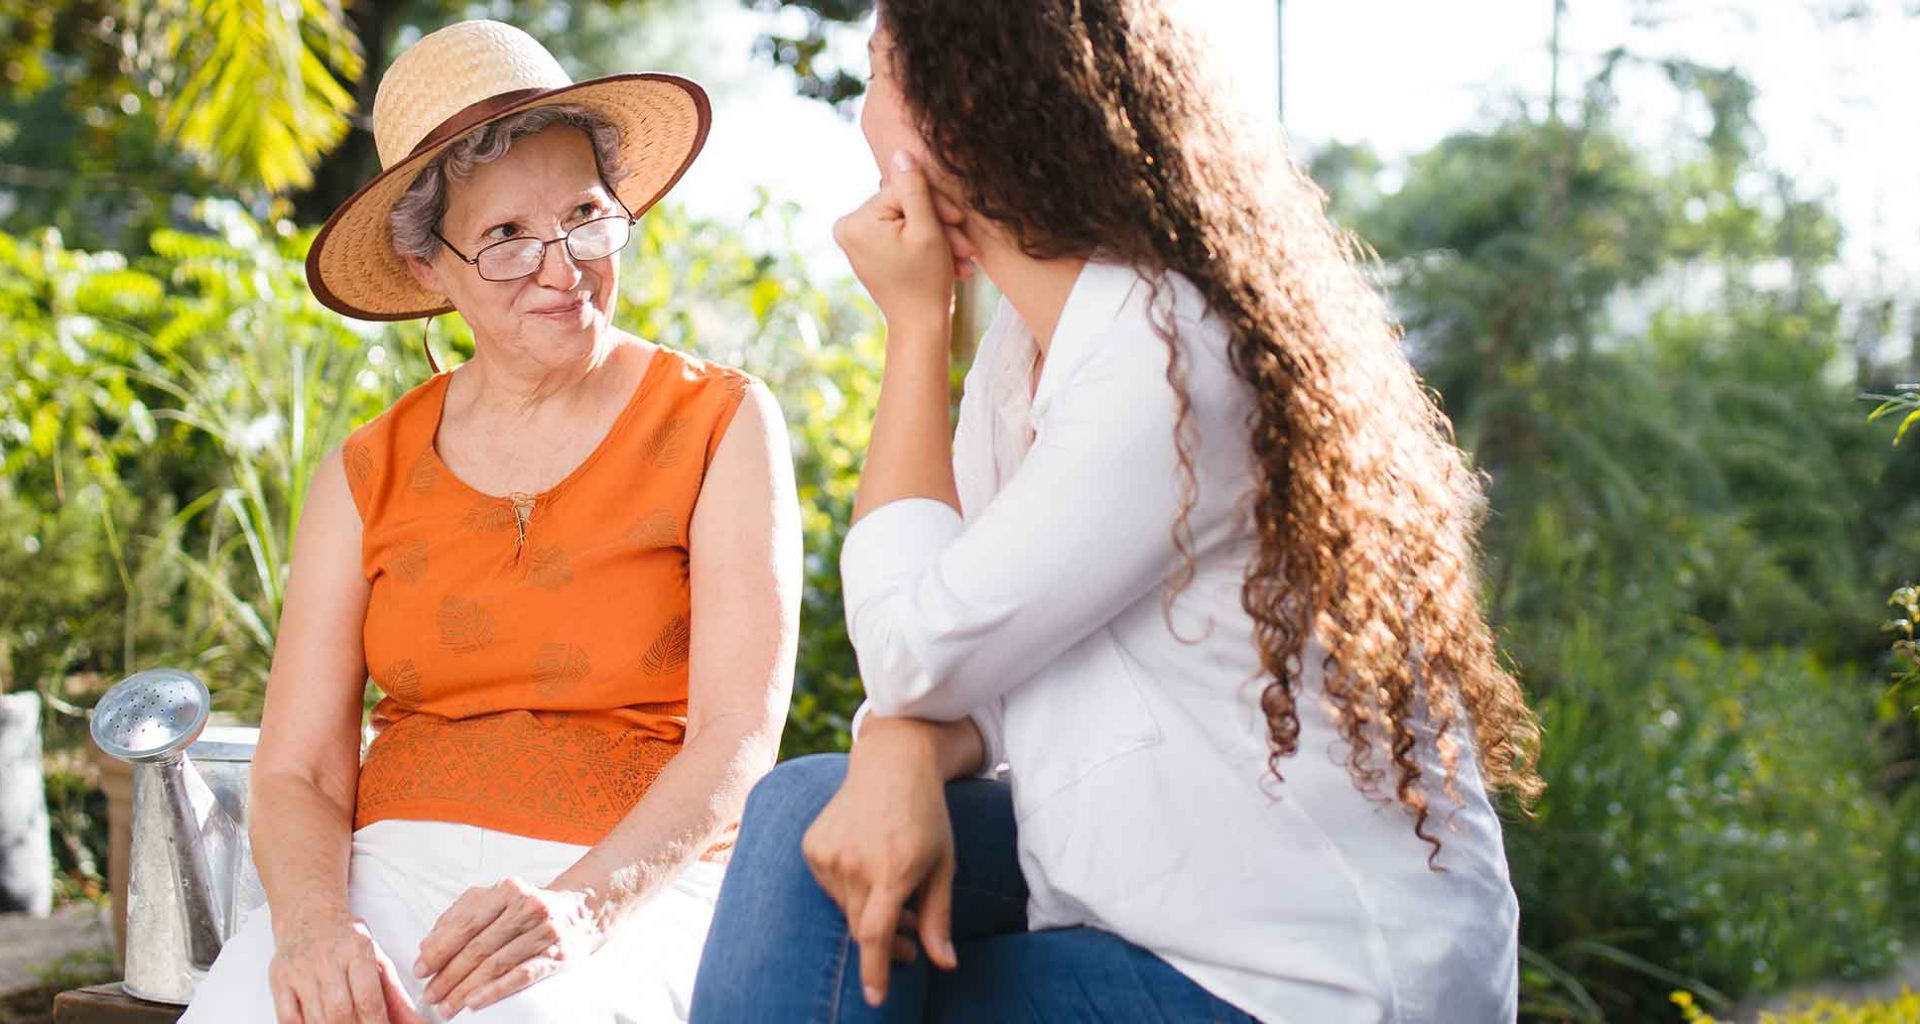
(534, 667)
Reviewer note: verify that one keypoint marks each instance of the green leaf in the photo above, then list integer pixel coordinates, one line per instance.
(263, 95)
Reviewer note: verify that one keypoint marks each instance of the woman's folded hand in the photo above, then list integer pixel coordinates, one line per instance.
(908, 244)
(498, 939)
(330, 971)
(885, 839)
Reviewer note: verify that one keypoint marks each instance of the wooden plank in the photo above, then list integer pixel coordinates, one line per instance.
(107, 1004)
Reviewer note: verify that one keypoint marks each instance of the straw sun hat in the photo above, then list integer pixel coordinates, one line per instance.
(446, 85)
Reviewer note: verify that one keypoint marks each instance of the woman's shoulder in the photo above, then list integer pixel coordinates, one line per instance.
(690, 384)
(692, 397)
(697, 374)
(405, 415)
(373, 453)
(1172, 297)
(1161, 306)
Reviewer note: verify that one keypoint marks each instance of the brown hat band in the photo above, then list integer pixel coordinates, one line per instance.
(472, 115)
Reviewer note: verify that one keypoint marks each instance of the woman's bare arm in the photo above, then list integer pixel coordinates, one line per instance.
(308, 760)
(952, 749)
(746, 577)
(326, 964)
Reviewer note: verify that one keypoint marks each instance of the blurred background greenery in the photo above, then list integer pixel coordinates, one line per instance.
(1699, 512)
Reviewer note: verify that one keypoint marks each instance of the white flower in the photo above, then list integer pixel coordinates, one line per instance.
(260, 432)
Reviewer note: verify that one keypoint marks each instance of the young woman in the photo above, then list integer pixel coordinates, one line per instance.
(1197, 568)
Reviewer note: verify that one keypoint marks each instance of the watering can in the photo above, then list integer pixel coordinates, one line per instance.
(192, 878)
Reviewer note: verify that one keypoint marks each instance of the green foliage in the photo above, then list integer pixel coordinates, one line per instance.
(1905, 405)
(77, 812)
(77, 970)
(114, 117)
(1901, 1010)
(831, 430)
(1903, 697)
(73, 442)
(167, 417)
(809, 53)
(255, 90)
(1709, 811)
(1689, 515)
(65, 129)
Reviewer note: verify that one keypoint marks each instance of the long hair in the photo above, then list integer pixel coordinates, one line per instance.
(1086, 126)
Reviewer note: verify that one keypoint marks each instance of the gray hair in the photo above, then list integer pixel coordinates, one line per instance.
(416, 215)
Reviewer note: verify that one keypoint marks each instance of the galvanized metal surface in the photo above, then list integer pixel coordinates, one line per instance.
(192, 876)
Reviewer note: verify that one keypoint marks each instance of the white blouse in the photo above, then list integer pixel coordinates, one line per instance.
(1137, 756)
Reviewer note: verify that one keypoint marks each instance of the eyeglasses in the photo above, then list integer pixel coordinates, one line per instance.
(514, 258)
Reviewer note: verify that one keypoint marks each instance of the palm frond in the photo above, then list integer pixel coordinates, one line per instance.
(260, 89)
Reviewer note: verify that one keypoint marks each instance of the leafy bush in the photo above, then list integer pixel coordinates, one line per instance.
(1902, 1010)
(77, 812)
(179, 403)
(1689, 618)
(1709, 821)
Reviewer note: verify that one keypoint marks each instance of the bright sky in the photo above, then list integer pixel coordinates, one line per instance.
(1836, 103)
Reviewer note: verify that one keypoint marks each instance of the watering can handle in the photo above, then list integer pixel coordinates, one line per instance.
(204, 937)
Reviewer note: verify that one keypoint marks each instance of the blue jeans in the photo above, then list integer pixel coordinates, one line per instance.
(779, 951)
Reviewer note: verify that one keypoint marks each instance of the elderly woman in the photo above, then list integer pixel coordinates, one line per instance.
(571, 565)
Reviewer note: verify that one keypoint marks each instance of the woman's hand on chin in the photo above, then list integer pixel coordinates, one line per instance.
(908, 244)
(332, 970)
(498, 939)
(884, 839)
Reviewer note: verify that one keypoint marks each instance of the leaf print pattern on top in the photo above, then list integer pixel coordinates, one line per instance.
(559, 666)
(359, 463)
(664, 446)
(660, 529)
(424, 474)
(401, 681)
(670, 649)
(494, 515)
(409, 564)
(465, 627)
(549, 569)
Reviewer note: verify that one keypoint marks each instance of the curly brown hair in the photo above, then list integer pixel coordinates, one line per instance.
(1087, 127)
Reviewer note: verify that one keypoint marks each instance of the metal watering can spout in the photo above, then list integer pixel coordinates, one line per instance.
(152, 717)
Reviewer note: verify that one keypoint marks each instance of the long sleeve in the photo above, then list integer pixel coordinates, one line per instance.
(948, 616)
(987, 719)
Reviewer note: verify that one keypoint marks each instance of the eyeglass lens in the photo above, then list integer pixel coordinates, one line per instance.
(519, 257)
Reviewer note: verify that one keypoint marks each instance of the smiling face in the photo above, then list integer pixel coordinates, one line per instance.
(545, 185)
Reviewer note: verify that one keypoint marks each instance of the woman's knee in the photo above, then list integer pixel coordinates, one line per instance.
(237, 988)
(552, 999)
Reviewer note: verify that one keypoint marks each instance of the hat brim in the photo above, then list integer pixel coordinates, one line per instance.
(352, 266)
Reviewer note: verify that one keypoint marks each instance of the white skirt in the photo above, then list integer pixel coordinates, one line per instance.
(404, 874)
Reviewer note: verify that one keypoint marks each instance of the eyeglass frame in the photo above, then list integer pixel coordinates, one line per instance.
(565, 236)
